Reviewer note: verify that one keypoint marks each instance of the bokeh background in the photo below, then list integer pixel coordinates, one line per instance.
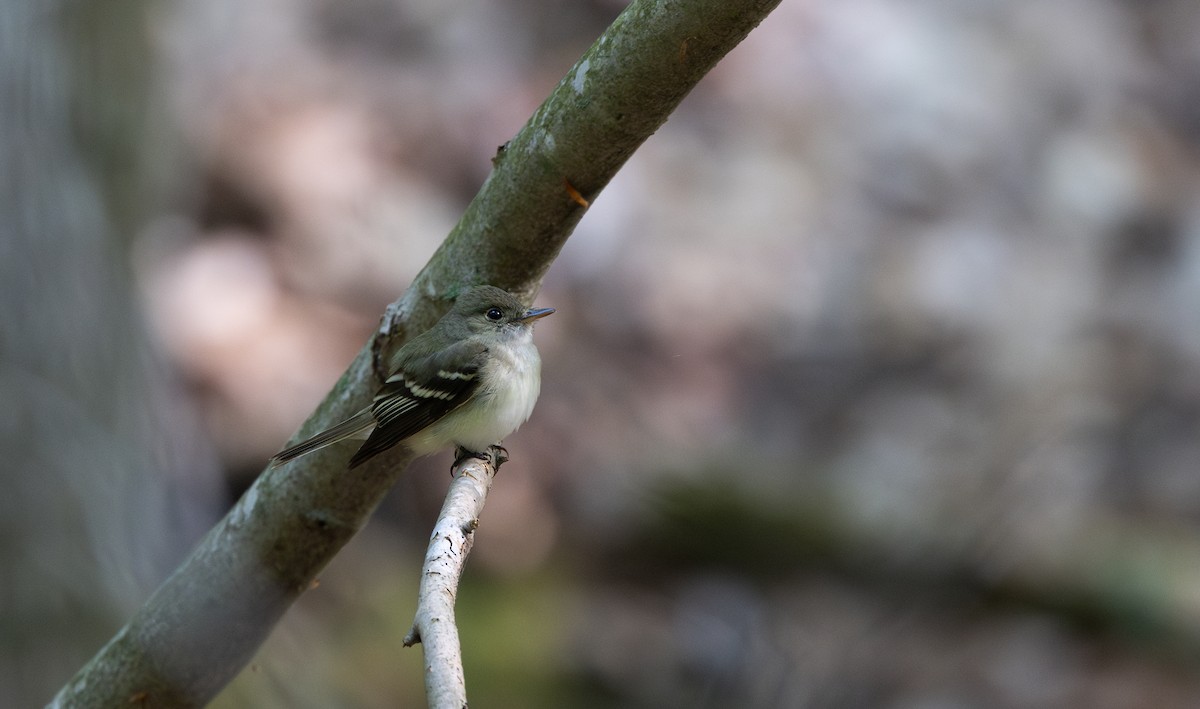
(875, 380)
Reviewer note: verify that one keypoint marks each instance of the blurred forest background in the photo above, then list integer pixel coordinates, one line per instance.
(875, 380)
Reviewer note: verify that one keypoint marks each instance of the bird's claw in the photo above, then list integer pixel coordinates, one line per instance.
(495, 456)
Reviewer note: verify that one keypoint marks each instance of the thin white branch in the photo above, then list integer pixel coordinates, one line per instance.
(449, 545)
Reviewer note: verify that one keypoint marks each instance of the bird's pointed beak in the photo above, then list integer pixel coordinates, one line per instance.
(535, 313)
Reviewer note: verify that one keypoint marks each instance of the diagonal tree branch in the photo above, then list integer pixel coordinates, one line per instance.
(209, 617)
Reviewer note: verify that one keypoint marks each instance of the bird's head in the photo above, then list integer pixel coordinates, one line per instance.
(485, 308)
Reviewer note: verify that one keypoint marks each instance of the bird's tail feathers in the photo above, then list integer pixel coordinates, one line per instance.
(356, 424)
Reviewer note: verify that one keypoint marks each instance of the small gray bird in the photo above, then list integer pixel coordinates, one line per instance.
(468, 382)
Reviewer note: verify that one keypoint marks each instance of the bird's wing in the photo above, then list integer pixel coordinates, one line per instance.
(420, 393)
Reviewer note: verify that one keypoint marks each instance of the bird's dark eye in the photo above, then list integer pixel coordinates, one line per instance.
(494, 314)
